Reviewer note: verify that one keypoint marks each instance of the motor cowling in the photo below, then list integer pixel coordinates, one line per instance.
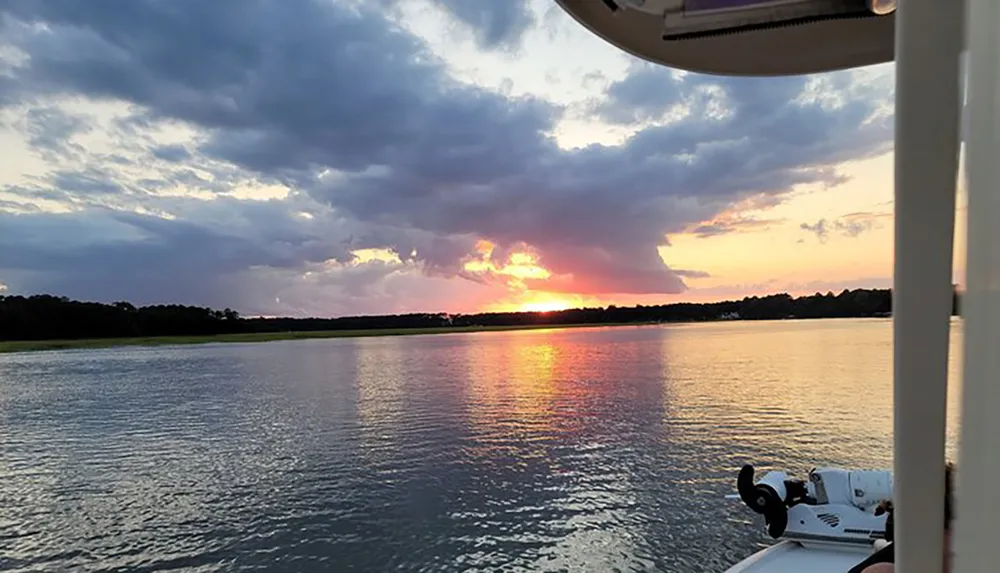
(860, 488)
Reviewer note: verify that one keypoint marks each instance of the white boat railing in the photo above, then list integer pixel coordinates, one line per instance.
(977, 502)
(929, 41)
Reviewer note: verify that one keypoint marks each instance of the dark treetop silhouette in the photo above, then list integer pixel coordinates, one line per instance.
(47, 317)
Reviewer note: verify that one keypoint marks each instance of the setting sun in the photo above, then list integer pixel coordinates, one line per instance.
(535, 301)
(545, 306)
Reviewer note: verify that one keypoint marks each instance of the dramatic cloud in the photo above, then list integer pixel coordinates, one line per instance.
(360, 138)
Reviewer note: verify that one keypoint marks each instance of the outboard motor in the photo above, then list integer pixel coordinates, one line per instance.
(834, 505)
(766, 497)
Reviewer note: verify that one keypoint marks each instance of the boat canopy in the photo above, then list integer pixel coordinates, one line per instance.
(745, 37)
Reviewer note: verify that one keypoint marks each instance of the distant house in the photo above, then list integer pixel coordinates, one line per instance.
(729, 316)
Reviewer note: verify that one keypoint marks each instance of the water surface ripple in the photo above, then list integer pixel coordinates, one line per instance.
(605, 449)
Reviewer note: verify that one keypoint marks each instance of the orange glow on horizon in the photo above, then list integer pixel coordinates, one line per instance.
(545, 306)
(539, 301)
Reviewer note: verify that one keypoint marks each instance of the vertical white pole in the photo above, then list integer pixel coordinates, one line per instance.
(977, 537)
(929, 38)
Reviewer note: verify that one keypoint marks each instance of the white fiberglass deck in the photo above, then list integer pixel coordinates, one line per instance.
(791, 557)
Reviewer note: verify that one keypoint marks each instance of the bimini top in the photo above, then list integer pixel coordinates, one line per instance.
(745, 37)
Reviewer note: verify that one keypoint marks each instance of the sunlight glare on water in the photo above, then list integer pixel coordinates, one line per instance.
(581, 449)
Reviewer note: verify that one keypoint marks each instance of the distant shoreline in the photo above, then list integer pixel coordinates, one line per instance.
(48, 322)
(10, 346)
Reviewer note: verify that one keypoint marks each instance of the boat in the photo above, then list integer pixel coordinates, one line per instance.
(834, 520)
(947, 57)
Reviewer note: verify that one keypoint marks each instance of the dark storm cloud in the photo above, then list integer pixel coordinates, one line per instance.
(172, 153)
(342, 105)
(18, 207)
(224, 252)
(646, 94)
(102, 253)
(90, 181)
(39, 243)
(495, 23)
(616, 203)
(48, 130)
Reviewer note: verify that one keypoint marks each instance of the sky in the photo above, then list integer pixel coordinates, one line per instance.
(340, 157)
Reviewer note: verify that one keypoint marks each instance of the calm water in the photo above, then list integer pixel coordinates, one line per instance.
(584, 450)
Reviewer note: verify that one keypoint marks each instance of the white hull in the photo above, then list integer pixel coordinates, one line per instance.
(788, 556)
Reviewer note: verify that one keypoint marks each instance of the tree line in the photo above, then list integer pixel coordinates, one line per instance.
(48, 317)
